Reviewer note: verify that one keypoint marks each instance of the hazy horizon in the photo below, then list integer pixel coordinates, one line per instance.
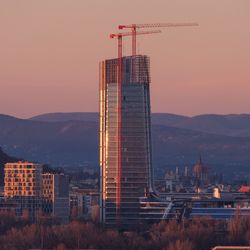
(66, 112)
(50, 52)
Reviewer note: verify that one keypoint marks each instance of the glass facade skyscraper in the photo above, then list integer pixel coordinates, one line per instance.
(125, 139)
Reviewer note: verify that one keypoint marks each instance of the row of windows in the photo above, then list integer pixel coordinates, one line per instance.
(126, 114)
(21, 193)
(130, 150)
(136, 180)
(8, 184)
(135, 109)
(27, 180)
(128, 89)
(140, 121)
(22, 166)
(127, 152)
(49, 182)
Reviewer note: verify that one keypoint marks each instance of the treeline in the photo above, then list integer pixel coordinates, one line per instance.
(188, 235)
(4, 158)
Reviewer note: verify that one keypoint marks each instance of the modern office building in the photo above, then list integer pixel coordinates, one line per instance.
(125, 139)
(56, 195)
(23, 184)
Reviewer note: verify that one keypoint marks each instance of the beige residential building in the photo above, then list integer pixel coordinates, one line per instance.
(23, 184)
(22, 179)
(35, 192)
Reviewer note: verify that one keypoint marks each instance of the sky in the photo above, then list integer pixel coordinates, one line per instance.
(50, 52)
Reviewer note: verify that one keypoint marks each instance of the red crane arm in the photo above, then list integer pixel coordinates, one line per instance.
(131, 33)
(156, 25)
(134, 28)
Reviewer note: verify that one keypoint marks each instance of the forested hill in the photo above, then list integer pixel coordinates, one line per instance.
(4, 158)
(72, 139)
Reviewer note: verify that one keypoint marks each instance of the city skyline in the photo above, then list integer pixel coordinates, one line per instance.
(100, 137)
(50, 53)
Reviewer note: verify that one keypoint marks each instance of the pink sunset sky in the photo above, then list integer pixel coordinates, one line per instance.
(50, 51)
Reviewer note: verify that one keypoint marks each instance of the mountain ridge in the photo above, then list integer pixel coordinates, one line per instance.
(230, 125)
(76, 142)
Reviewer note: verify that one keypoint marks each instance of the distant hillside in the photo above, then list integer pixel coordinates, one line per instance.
(60, 143)
(231, 125)
(4, 158)
(179, 146)
(62, 117)
(75, 142)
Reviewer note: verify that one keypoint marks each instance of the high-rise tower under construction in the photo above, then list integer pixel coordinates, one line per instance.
(125, 138)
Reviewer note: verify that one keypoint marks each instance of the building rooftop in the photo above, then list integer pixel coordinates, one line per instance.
(244, 189)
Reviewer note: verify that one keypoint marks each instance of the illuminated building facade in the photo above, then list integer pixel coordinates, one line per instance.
(22, 179)
(125, 139)
(23, 184)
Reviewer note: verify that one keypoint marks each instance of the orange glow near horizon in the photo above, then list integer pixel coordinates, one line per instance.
(50, 51)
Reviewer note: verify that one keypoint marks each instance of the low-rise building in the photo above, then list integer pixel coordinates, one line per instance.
(23, 185)
(55, 195)
(83, 203)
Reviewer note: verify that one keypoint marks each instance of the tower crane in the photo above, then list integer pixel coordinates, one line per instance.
(119, 37)
(135, 27)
